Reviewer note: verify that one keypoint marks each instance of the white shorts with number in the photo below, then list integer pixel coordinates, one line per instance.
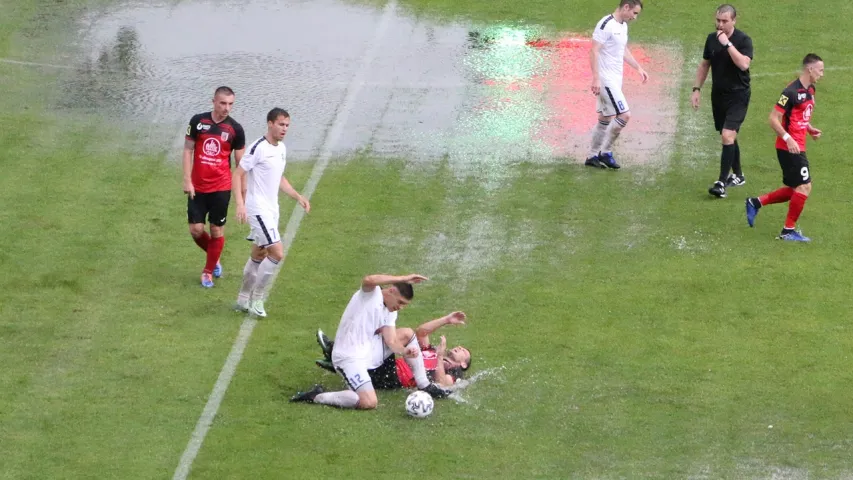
(355, 374)
(264, 230)
(611, 101)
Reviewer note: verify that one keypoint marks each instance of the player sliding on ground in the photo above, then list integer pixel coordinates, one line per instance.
(442, 366)
(366, 333)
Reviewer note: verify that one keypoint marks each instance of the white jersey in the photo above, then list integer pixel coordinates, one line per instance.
(360, 326)
(613, 37)
(264, 164)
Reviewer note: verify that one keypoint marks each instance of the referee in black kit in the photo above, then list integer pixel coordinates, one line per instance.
(728, 53)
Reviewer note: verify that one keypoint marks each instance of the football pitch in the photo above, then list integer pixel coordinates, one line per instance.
(622, 324)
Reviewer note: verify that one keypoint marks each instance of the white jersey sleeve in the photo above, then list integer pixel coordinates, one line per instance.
(250, 158)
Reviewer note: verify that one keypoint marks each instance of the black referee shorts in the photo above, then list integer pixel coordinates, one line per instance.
(729, 109)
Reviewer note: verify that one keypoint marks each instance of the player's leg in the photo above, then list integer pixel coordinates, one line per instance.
(780, 195)
(197, 210)
(719, 108)
(360, 395)
(406, 336)
(218, 216)
(267, 253)
(385, 376)
(250, 275)
(735, 116)
(617, 101)
(799, 178)
(605, 115)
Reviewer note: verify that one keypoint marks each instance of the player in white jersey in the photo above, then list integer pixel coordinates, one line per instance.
(609, 52)
(366, 336)
(263, 168)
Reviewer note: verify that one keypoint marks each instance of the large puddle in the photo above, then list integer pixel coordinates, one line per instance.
(476, 95)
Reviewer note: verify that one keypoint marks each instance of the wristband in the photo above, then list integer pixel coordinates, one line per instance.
(786, 137)
(697, 89)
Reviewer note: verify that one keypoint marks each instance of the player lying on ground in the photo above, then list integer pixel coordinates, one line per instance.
(442, 366)
(366, 335)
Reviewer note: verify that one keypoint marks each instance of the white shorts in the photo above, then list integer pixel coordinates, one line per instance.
(611, 101)
(264, 230)
(355, 374)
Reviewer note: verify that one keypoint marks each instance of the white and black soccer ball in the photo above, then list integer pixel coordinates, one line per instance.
(419, 404)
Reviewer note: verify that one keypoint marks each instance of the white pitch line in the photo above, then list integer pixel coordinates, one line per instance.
(34, 64)
(227, 373)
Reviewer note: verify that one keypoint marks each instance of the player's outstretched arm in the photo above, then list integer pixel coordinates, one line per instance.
(425, 329)
(292, 193)
(370, 282)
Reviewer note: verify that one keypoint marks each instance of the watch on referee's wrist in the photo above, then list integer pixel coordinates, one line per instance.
(729, 45)
(697, 89)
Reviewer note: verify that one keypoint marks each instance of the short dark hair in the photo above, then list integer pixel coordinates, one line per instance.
(631, 3)
(277, 112)
(405, 289)
(727, 8)
(223, 90)
(811, 58)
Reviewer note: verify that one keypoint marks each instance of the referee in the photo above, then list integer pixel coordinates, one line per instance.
(728, 54)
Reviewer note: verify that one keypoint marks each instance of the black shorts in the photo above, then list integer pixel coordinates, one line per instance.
(795, 168)
(213, 205)
(385, 377)
(729, 109)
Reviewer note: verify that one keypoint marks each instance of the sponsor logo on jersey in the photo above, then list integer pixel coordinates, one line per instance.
(211, 147)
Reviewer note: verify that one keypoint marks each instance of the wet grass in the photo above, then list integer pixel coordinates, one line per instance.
(633, 328)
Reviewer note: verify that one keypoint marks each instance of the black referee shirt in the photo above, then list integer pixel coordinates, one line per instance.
(725, 75)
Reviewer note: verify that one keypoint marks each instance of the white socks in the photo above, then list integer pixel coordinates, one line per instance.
(613, 132)
(266, 273)
(250, 273)
(343, 399)
(417, 364)
(597, 137)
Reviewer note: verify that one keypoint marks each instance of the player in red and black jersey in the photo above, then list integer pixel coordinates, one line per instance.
(791, 120)
(442, 366)
(210, 139)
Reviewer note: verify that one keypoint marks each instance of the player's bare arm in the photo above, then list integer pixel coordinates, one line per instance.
(237, 180)
(594, 52)
(389, 336)
(238, 155)
(814, 132)
(701, 76)
(189, 147)
(776, 125)
(370, 282)
(740, 60)
(441, 376)
(425, 329)
(633, 63)
(292, 193)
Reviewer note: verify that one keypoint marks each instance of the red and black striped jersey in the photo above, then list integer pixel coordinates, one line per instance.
(214, 143)
(796, 106)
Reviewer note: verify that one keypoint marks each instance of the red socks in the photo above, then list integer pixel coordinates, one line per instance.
(203, 241)
(795, 208)
(777, 196)
(214, 251)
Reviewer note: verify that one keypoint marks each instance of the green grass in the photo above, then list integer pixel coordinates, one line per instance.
(632, 327)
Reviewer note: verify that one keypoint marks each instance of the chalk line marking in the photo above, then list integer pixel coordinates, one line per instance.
(233, 360)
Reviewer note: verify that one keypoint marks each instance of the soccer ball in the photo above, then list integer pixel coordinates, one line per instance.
(419, 404)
